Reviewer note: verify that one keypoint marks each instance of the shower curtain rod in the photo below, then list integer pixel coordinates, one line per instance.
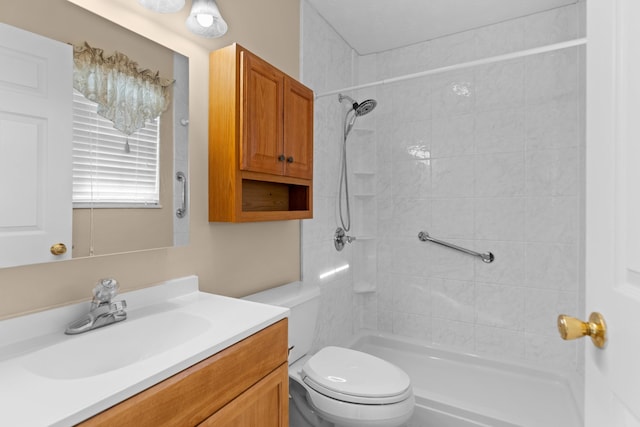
(490, 60)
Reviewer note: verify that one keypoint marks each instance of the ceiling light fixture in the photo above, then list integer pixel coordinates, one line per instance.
(163, 6)
(205, 19)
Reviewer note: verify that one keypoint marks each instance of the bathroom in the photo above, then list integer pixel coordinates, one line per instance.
(534, 222)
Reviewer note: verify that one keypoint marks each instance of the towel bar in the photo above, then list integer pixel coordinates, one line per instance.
(486, 257)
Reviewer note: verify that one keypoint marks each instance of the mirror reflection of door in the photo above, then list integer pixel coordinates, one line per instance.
(35, 147)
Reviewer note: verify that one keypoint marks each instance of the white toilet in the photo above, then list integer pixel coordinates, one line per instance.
(336, 386)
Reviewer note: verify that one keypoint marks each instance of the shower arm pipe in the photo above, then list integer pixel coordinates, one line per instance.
(486, 257)
(490, 60)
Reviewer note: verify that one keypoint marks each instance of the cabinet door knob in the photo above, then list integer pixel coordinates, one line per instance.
(281, 158)
(290, 159)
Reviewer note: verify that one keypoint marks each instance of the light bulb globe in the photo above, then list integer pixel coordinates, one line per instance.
(204, 19)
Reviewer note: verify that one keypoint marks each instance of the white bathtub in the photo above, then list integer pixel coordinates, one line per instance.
(458, 390)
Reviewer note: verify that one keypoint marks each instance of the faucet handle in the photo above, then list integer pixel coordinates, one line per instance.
(340, 238)
(118, 306)
(105, 290)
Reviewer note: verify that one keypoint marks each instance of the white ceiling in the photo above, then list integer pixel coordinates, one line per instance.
(371, 26)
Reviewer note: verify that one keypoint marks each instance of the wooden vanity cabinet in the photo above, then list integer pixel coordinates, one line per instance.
(245, 385)
(260, 140)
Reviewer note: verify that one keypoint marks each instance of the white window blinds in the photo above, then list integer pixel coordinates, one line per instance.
(105, 172)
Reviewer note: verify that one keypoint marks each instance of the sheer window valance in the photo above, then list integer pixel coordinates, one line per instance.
(125, 94)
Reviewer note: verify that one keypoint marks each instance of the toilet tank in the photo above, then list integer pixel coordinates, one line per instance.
(303, 300)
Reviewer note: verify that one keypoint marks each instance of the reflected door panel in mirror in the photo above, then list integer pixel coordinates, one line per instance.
(35, 190)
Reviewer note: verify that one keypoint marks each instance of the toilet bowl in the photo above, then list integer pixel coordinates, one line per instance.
(336, 386)
(350, 388)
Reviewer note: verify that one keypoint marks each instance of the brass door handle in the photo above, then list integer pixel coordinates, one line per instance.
(571, 328)
(58, 249)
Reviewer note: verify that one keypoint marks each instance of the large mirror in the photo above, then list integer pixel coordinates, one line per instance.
(95, 228)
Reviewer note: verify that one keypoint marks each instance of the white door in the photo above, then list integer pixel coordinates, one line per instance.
(613, 210)
(35, 147)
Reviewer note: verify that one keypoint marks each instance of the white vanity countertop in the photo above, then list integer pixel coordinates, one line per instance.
(49, 378)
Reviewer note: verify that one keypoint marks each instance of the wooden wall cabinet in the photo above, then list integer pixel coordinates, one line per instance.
(260, 140)
(245, 385)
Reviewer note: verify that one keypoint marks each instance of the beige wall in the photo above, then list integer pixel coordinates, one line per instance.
(230, 259)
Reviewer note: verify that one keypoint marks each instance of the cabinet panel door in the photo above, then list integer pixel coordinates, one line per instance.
(265, 404)
(261, 94)
(298, 129)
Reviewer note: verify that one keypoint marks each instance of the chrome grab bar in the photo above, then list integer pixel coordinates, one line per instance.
(486, 257)
(182, 210)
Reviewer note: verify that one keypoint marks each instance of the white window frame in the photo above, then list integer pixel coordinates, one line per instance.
(105, 175)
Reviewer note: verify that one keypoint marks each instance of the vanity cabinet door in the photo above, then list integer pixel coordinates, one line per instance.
(263, 405)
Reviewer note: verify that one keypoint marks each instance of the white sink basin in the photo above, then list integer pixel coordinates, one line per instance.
(49, 378)
(115, 346)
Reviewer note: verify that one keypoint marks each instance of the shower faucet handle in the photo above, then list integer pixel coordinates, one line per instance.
(340, 238)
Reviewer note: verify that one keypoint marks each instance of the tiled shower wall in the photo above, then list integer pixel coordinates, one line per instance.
(488, 158)
(327, 63)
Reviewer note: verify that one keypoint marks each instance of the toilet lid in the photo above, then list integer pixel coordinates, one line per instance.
(354, 376)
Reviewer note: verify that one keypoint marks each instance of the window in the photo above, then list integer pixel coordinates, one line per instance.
(111, 169)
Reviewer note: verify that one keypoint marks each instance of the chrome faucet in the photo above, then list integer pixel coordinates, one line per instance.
(103, 311)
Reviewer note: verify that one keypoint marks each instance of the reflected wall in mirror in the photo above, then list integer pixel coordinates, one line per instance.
(96, 230)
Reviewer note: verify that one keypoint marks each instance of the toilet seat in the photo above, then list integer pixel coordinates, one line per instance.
(355, 377)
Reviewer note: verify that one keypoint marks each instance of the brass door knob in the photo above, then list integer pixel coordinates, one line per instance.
(571, 328)
(58, 249)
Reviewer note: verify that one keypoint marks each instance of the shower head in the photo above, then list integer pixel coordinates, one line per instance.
(365, 107)
(360, 109)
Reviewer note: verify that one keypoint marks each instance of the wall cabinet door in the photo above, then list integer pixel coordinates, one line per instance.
(298, 129)
(261, 93)
(277, 121)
